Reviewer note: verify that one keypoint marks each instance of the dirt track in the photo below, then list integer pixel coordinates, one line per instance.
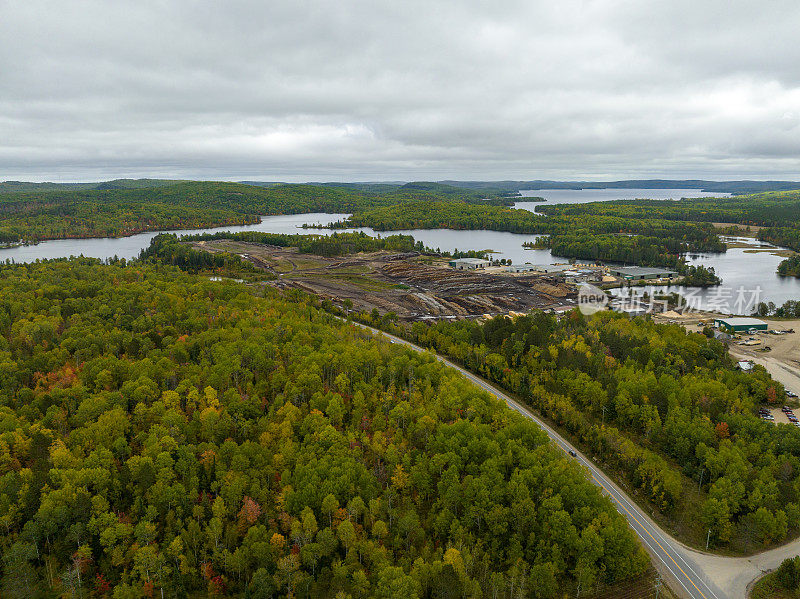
(409, 284)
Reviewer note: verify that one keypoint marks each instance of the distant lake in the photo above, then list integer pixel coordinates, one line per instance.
(583, 196)
(737, 267)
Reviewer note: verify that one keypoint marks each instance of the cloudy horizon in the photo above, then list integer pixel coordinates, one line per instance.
(370, 91)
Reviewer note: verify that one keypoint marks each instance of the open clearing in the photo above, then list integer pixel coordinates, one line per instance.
(783, 358)
(412, 285)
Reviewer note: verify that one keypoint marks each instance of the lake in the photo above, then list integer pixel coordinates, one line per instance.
(507, 245)
(583, 196)
(748, 277)
(738, 268)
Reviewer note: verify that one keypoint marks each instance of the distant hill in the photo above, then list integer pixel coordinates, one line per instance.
(25, 186)
(508, 187)
(474, 189)
(388, 187)
(733, 187)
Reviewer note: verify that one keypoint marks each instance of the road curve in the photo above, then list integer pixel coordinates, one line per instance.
(679, 562)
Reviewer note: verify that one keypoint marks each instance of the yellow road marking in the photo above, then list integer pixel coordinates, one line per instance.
(602, 486)
(648, 534)
(525, 412)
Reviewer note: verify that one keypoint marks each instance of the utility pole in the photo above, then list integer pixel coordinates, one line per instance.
(604, 415)
(658, 585)
(708, 538)
(702, 472)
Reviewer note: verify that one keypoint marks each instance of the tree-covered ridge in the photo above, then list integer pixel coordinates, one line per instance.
(734, 187)
(777, 208)
(159, 431)
(665, 409)
(786, 236)
(115, 212)
(119, 212)
(26, 186)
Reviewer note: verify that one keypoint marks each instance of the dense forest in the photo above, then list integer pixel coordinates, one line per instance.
(790, 267)
(115, 212)
(167, 249)
(789, 237)
(665, 409)
(773, 209)
(786, 236)
(163, 433)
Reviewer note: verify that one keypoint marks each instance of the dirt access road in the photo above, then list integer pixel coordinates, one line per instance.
(783, 360)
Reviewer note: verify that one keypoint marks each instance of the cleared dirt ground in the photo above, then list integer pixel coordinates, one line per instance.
(783, 358)
(411, 285)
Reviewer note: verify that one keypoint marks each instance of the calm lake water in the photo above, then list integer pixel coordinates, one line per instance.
(582, 196)
(737, 267)
(507, 245)
(748, 277)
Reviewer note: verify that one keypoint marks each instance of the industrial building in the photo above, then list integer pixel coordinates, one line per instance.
(639, 273)
(469, 264)
(523, 268)
(740, 324)
(551, 268)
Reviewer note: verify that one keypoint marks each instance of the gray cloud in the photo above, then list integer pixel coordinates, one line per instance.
(359, 89)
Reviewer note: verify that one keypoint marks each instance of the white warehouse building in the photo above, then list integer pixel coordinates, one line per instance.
(469, 264)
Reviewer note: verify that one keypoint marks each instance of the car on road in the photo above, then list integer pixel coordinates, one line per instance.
(573, 454)
(790, 393)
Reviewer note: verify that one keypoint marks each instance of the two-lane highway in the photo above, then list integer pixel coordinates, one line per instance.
(686, 575)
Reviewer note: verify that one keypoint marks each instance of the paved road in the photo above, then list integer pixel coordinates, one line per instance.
(678, 562)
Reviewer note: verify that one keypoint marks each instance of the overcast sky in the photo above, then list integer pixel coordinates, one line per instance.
(297, 90)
